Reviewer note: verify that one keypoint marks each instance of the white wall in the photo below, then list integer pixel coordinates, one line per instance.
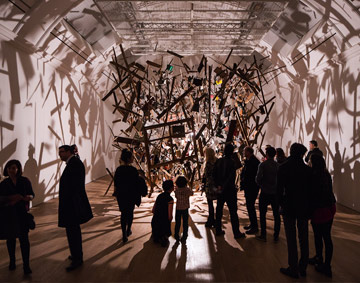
(322, 102)
(42, 106)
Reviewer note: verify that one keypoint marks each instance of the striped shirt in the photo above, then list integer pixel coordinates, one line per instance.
(182, 198)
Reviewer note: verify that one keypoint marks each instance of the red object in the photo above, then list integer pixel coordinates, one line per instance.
(323, 215)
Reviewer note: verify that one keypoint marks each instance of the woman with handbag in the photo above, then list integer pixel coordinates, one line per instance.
(209, 185)
(15, 222)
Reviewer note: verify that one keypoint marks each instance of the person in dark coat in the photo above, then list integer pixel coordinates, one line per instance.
(163, 215)
(16, 192)
(74, 206)
(127, 184)
(250, 187)
(266, 178)
(224, 174)
(293, 188)
(280, 156)
(323, 210)
(313, 146)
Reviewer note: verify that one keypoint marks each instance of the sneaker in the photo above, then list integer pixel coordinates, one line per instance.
(27, 270)
(12, 266)
(289, 272)
(315, 260)
(252, 231)
(261, 238)
(324, 269)
(74, 265)
(220, 233)
(302, 272)
(240, 236)
(125, 239)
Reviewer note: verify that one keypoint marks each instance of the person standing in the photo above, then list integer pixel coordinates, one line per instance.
(182, 194)
(17, 192)
(280, 156)
(266, 178)
(293, 189)
(126, 181)
(74, 206)
(250, 187)
(209, 185)
(224, 177)
(313, 146)
(323, 211)
(163, 214)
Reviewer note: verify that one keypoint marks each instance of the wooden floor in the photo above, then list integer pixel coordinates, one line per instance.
(203, 258)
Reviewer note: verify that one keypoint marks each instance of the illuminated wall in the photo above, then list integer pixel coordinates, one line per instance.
(42, 106)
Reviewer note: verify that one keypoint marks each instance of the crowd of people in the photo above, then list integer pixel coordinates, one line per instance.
(299, 191)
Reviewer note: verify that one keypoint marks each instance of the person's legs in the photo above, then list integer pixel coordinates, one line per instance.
(263, 203)
(277, 221)
(250, 196)
(177, 224)
(231, 202)
(11, 246)
(219, 213)
(185, 217)
(328, 242)
(130, 217)
(73, 234)
(303, 235)
(318, 244)
(290, 231)
(25, 251)
(211, 217)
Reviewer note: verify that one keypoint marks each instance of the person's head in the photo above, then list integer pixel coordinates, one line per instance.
(210, 155)
(181, 182)
(168, 186)
(313, 144)
(13, 168)
(229, 149)
(65, 152)
(317, 162)
(297, 150)
(280, 152)
(270, 152)
(248, 152)
(74, 149)
(126, 156)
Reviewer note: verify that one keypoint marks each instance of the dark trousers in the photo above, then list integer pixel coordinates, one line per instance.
(264, 201)
(211, 218)
(73, 234)
(290, 224)
(250, 197)
(322, 232)
(231, 201)
(24, 246)
(127, 216)
(184, 214)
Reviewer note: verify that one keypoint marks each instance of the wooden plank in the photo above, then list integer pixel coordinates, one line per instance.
(176, 102)
(166, 124)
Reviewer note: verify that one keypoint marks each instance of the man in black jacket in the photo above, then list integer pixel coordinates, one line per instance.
(74, 206)
(224, 174)
(250, 187)
(293, 188)
(313, 146)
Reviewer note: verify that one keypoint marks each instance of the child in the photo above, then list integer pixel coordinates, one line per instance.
(182, 194)
(162, 218)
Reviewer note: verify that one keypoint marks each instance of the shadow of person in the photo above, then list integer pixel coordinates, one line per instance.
(32, 171)
(357, 181)
(337, 165)
(176, 266)
(146, 264)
